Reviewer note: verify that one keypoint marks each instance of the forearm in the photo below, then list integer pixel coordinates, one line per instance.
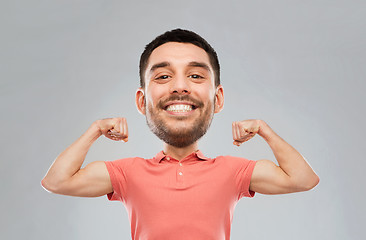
(289, 159)
(70, 160)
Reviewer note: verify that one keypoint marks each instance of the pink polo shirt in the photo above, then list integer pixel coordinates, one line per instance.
(193, 198)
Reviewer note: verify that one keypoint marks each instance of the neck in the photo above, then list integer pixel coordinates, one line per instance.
(180, 153)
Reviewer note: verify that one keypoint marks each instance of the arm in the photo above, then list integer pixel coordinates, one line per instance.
(293, 174)
(65, 175)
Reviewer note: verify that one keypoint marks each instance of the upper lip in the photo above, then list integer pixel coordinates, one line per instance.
(179, 103)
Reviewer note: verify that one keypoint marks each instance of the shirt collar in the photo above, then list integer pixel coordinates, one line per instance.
(198, 155)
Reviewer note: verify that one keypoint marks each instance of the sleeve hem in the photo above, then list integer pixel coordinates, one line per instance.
(246, 180)
(112, 196)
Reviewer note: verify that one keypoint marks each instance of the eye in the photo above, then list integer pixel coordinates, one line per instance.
(163, 77)
(196, 76)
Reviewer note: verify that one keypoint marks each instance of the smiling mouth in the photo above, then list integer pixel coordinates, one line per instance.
(180, 108)
(183, 105)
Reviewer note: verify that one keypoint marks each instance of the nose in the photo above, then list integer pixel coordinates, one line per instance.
(180, 85)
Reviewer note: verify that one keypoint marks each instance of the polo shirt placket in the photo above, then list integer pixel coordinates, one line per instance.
(179, 172)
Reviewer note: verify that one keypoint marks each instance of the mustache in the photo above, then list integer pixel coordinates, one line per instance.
(196, 103)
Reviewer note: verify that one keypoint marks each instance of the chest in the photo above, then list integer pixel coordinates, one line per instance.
(210, 185)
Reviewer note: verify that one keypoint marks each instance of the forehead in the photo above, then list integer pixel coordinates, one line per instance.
(178, 53)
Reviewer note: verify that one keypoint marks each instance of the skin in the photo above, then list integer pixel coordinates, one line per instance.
(180, 77)
(173, 71)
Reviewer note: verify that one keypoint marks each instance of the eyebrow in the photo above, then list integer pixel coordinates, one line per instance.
(159, 65)
(191, 64)
(200, 64)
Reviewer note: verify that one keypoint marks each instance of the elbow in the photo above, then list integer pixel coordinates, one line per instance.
(315, 181)
(45, 185)
(310, 183)
(52, 188)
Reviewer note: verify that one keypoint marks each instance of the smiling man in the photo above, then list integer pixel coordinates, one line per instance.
(179, 193)
(179, 94)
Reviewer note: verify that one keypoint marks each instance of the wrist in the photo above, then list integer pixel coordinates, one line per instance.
(94, 129)
(265, 131)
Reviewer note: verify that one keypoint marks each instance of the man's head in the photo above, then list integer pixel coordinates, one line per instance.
(180, 93)
(181, 36)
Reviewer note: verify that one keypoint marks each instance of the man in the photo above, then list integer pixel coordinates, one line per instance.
(180, 193)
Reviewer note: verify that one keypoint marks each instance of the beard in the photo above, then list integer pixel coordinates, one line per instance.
(180, 136)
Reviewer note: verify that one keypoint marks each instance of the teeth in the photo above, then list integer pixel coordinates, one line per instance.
(179, 108)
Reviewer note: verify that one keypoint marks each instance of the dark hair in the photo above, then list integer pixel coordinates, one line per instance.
(181, 36)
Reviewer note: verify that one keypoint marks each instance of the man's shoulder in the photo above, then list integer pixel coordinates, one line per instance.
(233, 160)
(126, 161)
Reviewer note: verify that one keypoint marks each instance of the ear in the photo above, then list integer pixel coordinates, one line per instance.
(219, 99)
(140, 101)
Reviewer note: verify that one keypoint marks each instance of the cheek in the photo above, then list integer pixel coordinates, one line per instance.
(154, 95)
(207, 95)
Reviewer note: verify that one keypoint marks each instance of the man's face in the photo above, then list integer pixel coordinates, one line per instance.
(179, 96)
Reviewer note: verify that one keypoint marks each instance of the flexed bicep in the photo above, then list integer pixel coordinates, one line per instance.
(268, 178)
(91, 181)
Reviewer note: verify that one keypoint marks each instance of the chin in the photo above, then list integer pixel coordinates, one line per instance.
(179, 131)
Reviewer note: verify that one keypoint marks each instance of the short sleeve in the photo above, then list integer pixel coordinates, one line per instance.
(116, 170)
(243, 174)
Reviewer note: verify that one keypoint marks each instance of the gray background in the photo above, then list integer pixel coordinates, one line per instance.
(298, 65)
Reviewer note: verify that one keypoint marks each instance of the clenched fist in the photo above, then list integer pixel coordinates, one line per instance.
(245, 130)
(113, 128)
